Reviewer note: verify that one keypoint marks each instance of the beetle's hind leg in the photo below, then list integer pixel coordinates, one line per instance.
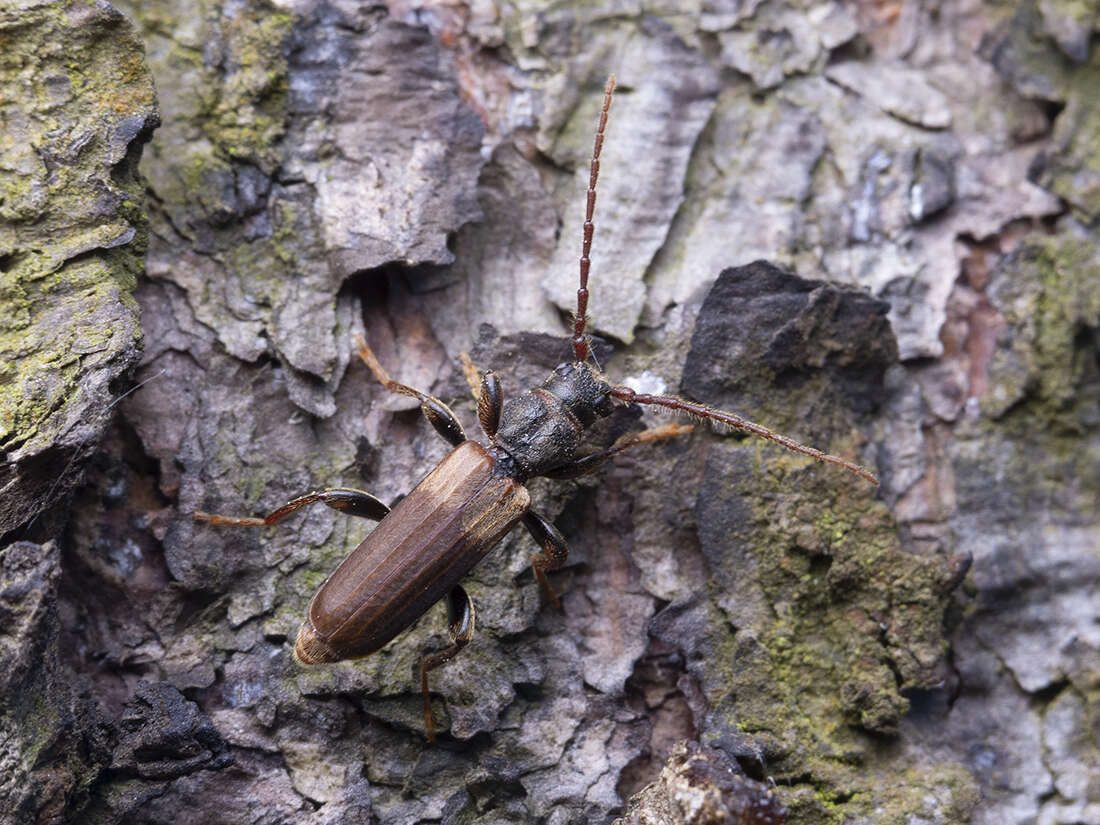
(461, 616)
(439, 415)
(345, 499)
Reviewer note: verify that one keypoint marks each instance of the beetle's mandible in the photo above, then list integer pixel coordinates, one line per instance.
(423, 547)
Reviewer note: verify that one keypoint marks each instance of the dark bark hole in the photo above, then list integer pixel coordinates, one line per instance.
(371, 285)
(653, 690)
(819, 566)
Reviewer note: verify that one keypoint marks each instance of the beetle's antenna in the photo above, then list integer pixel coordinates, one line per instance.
(581, 349)
(737, 422)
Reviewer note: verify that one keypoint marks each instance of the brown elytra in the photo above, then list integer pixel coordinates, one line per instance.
(461, 510)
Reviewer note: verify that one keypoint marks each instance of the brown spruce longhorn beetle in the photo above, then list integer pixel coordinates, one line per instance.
(422, 548)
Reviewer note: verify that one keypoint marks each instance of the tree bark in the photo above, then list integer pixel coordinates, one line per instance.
(872, 229)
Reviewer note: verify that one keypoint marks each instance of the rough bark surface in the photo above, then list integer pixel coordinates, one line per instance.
(77, 105)
(923, 652)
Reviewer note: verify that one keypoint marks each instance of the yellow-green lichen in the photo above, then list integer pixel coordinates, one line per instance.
(851, 622)
(246, 117)
(72, 245)
(1048, 293)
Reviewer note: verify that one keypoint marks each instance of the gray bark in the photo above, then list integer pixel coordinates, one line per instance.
(875, 233)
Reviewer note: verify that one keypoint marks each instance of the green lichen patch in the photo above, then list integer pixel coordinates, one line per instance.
(247, 119)
(1071, 168)
(830, 622)
(226, 78)
(1048, 292)
(78, 104)
(943, 793)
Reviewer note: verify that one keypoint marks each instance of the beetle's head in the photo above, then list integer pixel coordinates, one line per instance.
(583, 390)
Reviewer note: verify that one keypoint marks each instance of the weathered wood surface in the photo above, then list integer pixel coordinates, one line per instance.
(415, 173)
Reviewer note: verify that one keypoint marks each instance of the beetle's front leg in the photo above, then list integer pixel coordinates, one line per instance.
(345, 499)
(489, 403)
(461, 616)
(554, 552)
(439, 415)
(487, 393)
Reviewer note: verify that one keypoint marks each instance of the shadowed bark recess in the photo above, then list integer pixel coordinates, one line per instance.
(873, 233)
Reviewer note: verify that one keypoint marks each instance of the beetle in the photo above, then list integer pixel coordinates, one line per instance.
(421, 549)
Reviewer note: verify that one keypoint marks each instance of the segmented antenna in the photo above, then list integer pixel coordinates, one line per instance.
(580, 343)
(737, 422)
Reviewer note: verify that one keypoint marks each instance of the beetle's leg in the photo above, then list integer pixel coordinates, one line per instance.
(554, 552)
(487, 392)
(439, 415)
(735, 421)
(587, 464)
(345, 499)
(554, 549)
(489, 403)
(461, 616)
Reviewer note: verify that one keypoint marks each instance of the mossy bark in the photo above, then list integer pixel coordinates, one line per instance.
(78, 105)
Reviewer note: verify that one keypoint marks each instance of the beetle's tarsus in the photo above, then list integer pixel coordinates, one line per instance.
(236, 521)
(472, 375)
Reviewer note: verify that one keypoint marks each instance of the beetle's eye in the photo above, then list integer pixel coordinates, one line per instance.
(604, 405)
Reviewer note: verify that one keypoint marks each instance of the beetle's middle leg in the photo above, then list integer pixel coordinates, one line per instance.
(345, 499)
(554, 552)
(439, 415)
(461, 616)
